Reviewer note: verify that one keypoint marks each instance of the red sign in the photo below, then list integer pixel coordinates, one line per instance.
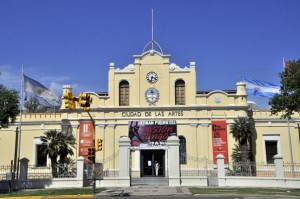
(86, 129)
(219, 140)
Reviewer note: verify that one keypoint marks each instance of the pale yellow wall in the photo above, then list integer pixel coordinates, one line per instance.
(193, 119)
(267, 124)
(33, 125)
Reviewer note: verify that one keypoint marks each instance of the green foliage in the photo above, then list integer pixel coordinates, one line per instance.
(242, 130)
(246, 191)
(288, 101)
(57, 144)
(240, 153)
(9, 106)
(77, 193)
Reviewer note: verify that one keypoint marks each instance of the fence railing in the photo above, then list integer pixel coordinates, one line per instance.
(198, 167)
(258, 169)
(110, 165)
(291, 170)
(59, 171)
(34, 172)
(5, 171)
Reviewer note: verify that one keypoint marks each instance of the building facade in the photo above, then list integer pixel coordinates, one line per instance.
(149, 101)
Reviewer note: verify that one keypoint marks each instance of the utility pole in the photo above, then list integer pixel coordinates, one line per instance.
(16, 154)
(84, 100)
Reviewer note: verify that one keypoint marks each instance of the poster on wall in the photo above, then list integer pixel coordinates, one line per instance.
(86, 130)
(219, 140)
(150, 132)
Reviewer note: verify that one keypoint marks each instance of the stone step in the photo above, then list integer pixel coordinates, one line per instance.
(157, 181)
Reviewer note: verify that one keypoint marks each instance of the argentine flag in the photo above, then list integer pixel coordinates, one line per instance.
(34, 89)
(260, 88)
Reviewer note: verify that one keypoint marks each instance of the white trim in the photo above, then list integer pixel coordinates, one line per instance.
(37, 141)
(271, 138)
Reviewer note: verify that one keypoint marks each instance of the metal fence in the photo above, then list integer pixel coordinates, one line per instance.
(258, 169)
(110, 165)
(59, 171)
(5, 172)
(261, 169)
(291, 170)
(198, 167)
(34, 172)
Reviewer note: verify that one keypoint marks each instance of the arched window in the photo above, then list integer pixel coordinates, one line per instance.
(179, 92)
(124, 93)
(182, 150)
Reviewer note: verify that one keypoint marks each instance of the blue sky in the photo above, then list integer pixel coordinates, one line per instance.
(72, 42)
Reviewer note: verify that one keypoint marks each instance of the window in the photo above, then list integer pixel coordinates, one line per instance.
(271, 151)
(124, 93)
(179, 92)
(39, 159)
(182, 150)
(271, 148)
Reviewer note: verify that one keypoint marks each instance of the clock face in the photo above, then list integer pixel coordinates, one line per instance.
(152, 77)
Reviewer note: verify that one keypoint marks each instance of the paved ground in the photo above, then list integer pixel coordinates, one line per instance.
(150, 186)
(148, 190)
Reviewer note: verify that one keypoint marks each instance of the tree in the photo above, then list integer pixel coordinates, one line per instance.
(57, 144)
(288, 101)
(9, 106)
(242, 130)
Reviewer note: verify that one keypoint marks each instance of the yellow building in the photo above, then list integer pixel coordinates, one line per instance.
(149, 101)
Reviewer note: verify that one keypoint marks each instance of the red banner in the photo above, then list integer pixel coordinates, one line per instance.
(86, 140)
(219, 140)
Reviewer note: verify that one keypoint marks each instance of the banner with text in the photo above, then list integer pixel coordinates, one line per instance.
(86, 140)
(150, 132)
(219, 140)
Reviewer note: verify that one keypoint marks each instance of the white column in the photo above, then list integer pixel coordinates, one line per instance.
(173, 159)
(137, 160)
(124, 161)
(80, 169)
(278, 161)
(221, 170)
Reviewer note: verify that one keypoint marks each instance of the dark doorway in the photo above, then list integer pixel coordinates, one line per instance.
(148, 158)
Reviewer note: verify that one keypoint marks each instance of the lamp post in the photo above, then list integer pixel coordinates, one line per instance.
(291, 148)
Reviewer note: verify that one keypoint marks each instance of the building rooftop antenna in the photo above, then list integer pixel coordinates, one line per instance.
(152, 43)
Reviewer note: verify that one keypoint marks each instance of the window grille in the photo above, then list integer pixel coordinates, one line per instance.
(182, 150)
(124, 93)
(180, 92)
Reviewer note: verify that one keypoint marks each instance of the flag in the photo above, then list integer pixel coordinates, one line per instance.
(34, 89)
(286, 64)
(260, 88)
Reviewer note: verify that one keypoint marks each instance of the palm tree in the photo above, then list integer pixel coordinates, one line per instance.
(68, 142)
(57, 144)
(242, 130)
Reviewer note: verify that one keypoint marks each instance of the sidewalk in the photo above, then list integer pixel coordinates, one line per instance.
(150, 186)
(147, 190)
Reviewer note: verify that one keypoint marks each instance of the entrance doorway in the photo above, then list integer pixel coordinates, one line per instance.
(148, 158)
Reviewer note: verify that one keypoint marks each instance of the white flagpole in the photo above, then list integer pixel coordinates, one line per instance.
(20, 124)
(283, 64)
(152, 29)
